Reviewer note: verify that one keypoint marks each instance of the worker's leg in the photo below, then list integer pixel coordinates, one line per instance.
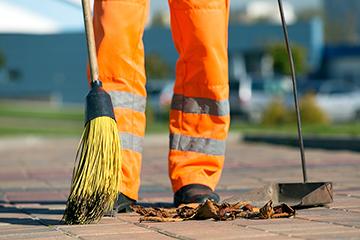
(199, 117)
(119, 27)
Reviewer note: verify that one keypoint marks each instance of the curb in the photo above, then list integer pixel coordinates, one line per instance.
(328, 143)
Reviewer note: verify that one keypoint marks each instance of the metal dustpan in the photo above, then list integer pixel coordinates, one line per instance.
(296, 195)
(305, 194)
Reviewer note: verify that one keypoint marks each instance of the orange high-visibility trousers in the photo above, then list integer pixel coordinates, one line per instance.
(199, 116)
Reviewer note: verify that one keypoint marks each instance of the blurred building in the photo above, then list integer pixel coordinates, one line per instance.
(53, 66)
(42, 50)
(341, 63)
(342, 21)
(249, 42)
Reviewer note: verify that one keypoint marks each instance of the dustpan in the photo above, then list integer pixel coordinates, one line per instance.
(297, 195)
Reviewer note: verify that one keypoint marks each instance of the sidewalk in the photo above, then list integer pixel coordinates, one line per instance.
(35, 176)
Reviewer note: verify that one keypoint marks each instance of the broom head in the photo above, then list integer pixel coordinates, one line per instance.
(96, 176)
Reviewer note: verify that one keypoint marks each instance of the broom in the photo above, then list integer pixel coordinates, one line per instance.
(96, 175)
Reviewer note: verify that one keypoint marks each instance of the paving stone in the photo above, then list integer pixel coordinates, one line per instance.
(335, 232)
(131, 217)
(103, 229)
(36, 236)
(139, 236)
(24, 231)
(334, 236)
(317, 230)
(209, 229)
(34, 196)
(270, 222)
(35, 177)
(282, 228)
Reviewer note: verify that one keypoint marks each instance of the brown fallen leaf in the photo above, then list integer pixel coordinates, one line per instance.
(186, 212)
(283, 210)
(212, 210)
(230, 211)
(154, 212)
(248, 207)
(207, 210)
(266, 211)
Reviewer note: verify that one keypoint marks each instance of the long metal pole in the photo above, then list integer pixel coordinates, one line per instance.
(293, 77)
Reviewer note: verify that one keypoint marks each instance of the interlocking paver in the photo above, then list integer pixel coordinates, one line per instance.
(138, 236)
(35, 177)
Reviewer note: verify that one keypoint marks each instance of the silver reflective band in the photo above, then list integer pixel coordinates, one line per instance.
(200, 105)
(194, 144)
(131, 142)
(128, 100)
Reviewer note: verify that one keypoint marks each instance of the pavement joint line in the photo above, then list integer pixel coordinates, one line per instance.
(319, 233)
(344, 210)
(42, 222)
(158, 230)
(340, 209)
(164, 232)
(267, 231)
(333, 223)
(347, 195)
(69, 234)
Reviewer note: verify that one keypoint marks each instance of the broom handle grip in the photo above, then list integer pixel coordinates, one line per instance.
(90, 40)
(293, 78)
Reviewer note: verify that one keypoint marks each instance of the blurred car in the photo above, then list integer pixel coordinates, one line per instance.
(166, 96)
(256, 95)
(339, 100)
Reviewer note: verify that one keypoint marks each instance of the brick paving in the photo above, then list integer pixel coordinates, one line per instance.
(35, 176)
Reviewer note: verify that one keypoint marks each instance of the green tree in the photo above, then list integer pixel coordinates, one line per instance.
(157, 67)
(281, 61)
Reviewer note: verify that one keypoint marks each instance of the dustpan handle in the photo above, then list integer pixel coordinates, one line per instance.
(89, 30)
(293, 78)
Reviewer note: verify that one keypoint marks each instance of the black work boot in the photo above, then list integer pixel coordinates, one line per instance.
(194, 193)
(122, 205)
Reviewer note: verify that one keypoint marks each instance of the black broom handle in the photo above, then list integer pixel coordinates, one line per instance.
(90, 39)
(293, 77)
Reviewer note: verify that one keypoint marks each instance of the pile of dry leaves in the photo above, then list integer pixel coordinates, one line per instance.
(212, 210)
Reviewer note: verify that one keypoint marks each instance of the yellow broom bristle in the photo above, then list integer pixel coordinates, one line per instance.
(97, 173)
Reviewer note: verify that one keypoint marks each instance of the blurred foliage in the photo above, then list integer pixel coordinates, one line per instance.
(160, 19)
(157, 67)
(275, 114)
(281, 61)
(149, 113)
(311, 113)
